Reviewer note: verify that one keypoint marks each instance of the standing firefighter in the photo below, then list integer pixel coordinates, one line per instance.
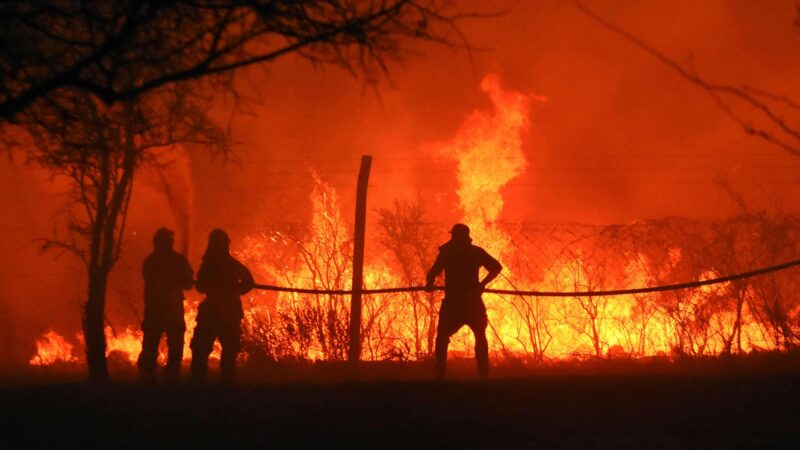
(462, 304)
(223, 279)
(166, 274)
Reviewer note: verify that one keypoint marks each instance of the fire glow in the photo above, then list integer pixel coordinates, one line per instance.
(488, 152)
(51, 348)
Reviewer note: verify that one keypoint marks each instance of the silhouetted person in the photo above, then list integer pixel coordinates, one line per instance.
(223, 279)
(166, 274)
(462, 304)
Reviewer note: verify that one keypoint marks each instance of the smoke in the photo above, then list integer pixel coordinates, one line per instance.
(38, 290)
(175, 178)
(621, 137)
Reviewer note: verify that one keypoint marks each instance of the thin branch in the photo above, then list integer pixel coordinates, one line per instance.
(746, 94)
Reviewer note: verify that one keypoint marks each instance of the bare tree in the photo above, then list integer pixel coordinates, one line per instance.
(314, 257)
(99, 149)
(119, 49)
(72, 74)
(772, 117)
(771, 299)
(531, 324)
(407, 235)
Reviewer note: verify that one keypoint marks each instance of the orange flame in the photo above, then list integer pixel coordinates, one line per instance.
(129, 341)
(51, 348)
(488, 151)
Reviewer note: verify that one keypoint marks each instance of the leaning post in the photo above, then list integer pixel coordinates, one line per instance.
(354, 352)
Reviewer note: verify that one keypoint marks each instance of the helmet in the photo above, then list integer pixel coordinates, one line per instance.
(218, 241)
(460, 232)
(163, 238)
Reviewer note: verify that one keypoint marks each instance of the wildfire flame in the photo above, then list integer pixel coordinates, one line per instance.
(488, 153)
(51, 348)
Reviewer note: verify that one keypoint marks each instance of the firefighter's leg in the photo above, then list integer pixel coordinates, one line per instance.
(175, 355)
(481, 351)
(231, 340)
(201, 345)
(447, 326)
(147, 358)
(442, 341)
(478, 324)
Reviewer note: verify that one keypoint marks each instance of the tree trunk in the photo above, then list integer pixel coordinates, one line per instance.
(598, 352)
(432, 319)
(112, 197)
(738, 323)
(93, 326)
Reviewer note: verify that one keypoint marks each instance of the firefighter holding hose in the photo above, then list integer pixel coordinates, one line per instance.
(462, 305)
(224, 280)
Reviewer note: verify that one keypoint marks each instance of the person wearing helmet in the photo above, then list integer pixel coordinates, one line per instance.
(462, 304)
(223, 279)
(166, 274)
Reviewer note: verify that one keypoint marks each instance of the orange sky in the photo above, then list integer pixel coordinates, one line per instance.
(620, 138)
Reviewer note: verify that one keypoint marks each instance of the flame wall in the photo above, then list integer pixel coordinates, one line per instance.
(620, 139)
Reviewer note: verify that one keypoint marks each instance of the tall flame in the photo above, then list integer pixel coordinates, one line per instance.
(488, 152)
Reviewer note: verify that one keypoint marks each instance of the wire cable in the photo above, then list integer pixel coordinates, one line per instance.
(534, 293)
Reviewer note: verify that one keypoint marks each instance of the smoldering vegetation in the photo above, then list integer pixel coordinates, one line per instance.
(741, 317)
(756, 316)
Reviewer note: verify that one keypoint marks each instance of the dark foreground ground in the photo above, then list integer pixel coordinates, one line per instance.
(563, 412)
(634, 410)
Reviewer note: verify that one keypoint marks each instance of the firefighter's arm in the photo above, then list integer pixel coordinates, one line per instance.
(434, 272)
(493, 266)
(246, 281)
(187, 278)
(202, 283)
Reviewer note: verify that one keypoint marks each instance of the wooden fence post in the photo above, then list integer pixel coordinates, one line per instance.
(354, 351)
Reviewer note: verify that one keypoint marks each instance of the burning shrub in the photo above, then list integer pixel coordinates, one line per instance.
(51, 347)
(730, 318)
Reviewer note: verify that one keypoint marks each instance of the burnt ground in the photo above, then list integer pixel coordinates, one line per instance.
(556, 409)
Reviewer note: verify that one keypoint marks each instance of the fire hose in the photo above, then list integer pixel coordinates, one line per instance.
(534, 293)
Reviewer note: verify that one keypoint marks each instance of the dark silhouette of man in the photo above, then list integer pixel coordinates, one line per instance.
(462, 305)
(166, 274)
(223, 279)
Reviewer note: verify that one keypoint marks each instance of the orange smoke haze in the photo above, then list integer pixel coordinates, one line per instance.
(619, 138)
